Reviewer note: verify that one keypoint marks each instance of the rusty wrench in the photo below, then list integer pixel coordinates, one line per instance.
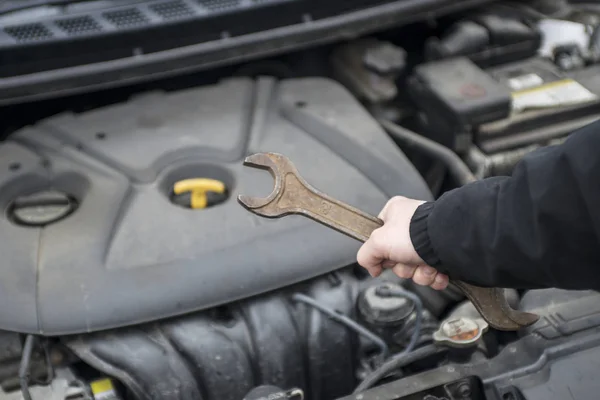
(293, 195)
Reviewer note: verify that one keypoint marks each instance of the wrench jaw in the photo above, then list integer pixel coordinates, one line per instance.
(263, 206)
(510, 320)
(261, 160)
(523, 319)
(494, 307)
(253, 204)
(278, 166)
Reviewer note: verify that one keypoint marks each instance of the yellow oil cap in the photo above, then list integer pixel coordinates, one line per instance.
(200, 190)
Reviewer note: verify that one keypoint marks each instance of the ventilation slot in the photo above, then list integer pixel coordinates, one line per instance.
(172, 10)
(28, 32)
(126, 18)
(219, 5)
(78, 26)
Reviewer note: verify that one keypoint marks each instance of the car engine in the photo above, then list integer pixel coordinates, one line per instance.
(118, 285)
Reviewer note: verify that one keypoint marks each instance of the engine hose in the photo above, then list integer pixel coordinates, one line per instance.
(348, 322)
(458, 169)
(398, 361)
(49, 367)
(424, 337)
(24, 367)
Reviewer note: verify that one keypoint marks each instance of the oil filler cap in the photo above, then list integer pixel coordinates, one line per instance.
(41, 208)
(199, 193)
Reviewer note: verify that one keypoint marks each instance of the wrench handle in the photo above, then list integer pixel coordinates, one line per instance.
(328, 211)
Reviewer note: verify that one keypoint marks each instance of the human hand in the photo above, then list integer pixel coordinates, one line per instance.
(391, 247)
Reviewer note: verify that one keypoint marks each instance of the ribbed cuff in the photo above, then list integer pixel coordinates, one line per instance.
(419, 234)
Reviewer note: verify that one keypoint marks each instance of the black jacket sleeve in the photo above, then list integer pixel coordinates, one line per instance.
(538, 228)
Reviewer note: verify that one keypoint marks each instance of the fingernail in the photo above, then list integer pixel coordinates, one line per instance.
(428, 270)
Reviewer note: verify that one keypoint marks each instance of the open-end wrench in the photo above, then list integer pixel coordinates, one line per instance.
(293, 195)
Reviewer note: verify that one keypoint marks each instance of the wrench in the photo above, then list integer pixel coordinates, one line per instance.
(293, 195)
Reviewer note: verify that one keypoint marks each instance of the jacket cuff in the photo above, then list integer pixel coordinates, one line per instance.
(419, 234)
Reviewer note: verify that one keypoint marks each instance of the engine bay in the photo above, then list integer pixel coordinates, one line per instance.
(119, 283)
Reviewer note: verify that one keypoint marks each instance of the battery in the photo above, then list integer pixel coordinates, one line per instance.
(456, 95)
(547, 104)
(520, 104)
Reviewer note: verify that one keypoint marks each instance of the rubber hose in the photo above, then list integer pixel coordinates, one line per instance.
(396, 362)
(344, 320)
(458, 169)
(24, 367)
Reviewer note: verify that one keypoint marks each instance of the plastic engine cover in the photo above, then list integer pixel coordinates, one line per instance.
(128, 255)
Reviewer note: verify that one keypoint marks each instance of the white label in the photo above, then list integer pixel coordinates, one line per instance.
(109, 395)
(525, 82)
(556, 94)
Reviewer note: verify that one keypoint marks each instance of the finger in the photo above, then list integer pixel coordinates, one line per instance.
(440, 282)
(388, 264)
(375, 271)
(371, 253)
(404, 271)
(424, 275)
(367, 257)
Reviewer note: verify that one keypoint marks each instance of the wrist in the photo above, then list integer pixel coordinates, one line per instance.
(419, 234)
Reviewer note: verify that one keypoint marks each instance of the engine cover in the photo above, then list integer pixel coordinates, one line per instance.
(129, 255)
